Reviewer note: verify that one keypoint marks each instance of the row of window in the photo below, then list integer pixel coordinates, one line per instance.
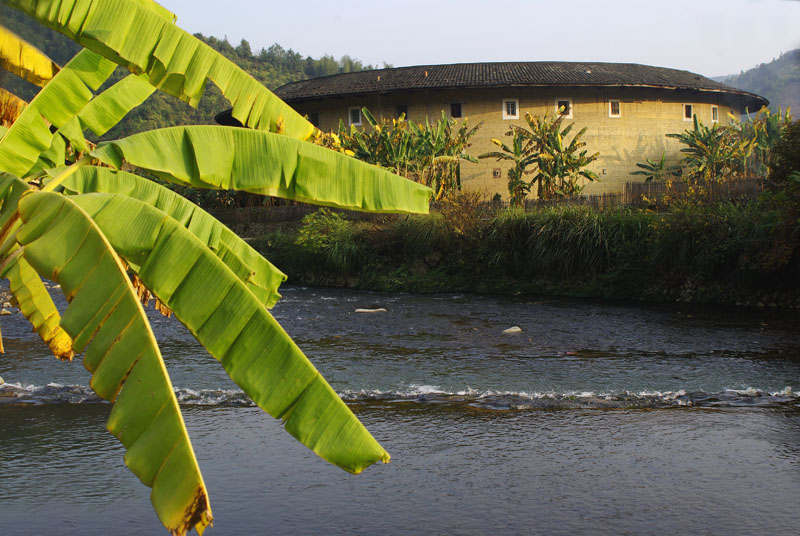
(564, 107)
(510, 109)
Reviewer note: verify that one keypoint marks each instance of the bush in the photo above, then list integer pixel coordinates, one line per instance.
(334, 242)
(786, 155)
(420, 236)
(703, 253)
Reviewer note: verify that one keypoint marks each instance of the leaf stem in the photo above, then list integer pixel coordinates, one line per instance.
(64, 175)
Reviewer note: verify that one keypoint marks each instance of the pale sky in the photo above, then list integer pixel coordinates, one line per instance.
(710, 37)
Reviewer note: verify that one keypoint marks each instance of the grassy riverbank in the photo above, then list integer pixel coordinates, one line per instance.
(746, 254)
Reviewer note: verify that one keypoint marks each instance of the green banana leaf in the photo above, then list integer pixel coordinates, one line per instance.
(25, 60)
(132, 34)
(37, 306)
(25, 284)
(260, 276)
(265, 163)
(57, 103)
(109, 107)
(100, 114)
(61, 241)
(234, 327)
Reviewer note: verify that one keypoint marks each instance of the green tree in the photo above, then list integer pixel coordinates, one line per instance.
(111, 238)
(714, 153)
(559, 164)
(520, 158)
(655, 171)
(429, 153)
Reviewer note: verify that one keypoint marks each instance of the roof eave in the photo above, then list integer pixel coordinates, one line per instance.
(746, 97)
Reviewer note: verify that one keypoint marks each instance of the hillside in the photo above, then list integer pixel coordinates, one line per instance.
(273, 67)
(778, 81)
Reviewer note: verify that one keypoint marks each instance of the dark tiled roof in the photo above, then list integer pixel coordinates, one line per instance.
(482, 75)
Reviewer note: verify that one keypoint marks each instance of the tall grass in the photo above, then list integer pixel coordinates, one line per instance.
(714, 251)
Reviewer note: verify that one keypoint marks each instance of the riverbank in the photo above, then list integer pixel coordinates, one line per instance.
(732, 254)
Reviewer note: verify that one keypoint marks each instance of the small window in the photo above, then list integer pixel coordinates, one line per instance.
(402, 110)
(510, 108)
(455, 110)
(714, 114)
(564, 108)
(688, 113)
(614, 109)
(355, 116)
(313, 118)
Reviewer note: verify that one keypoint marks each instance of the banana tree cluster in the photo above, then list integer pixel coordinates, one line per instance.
(712, 154)
(111, 238)
(764, 132)
(429, 153)
(558, 165)
(720, 152)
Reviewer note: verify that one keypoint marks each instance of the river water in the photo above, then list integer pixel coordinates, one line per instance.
(597, 418)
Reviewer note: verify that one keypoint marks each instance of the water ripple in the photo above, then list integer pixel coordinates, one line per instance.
(17, 394)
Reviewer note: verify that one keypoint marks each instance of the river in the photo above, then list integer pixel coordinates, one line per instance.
(598, 418)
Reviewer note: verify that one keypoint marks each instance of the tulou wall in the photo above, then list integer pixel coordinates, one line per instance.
(637, 132)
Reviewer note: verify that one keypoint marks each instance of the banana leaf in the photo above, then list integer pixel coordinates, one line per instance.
(57, 103)
(260, 276)
(61, 241)
(109, 107)
(36, 304)
(267, 164)
(132, 34)
(234, 327)
(25, 60)
(34, 301)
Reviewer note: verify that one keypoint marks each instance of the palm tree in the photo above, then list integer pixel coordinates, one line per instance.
(110, 238)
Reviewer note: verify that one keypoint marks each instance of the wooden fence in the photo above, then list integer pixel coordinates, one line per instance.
(653, 193)
(649, 194)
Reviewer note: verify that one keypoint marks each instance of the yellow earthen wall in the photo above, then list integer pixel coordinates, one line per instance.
(646, 116)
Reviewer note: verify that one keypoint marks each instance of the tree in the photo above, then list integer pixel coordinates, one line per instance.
(656, 171)
(712, 154)
(558, 165)
(111, 238)
(428, 153)
(520, 159)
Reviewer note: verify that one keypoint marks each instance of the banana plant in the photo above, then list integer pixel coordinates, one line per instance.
(655, 171)
(763, 132)
(713, 153)
(560, 165)
(520, 159)
(111, 239)
(428, 153)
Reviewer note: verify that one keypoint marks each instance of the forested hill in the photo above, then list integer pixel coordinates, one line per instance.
(778, 81)
(273, 67)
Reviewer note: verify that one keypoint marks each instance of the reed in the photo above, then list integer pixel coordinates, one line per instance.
(700, 253)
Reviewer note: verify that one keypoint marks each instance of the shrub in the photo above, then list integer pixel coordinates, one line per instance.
(786, 155)
(336, 243)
